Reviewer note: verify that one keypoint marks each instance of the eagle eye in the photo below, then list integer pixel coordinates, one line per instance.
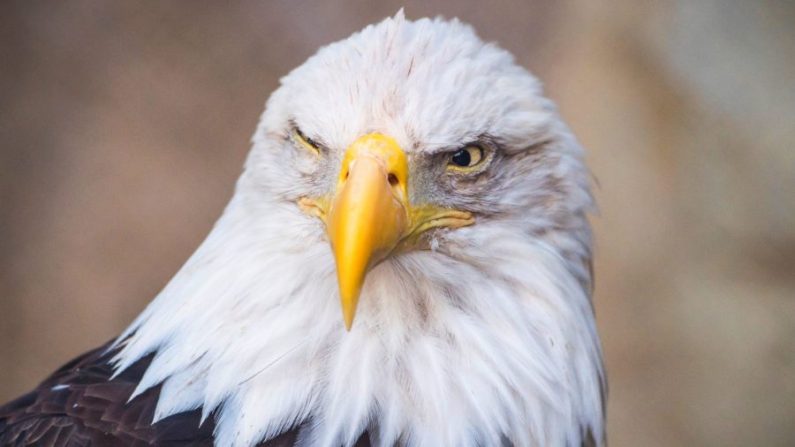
(466, 158)
(305, 141)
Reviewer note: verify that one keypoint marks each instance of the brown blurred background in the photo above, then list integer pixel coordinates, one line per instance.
(123, 126)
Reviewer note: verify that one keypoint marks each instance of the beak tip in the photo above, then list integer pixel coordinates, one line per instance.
(348, 318)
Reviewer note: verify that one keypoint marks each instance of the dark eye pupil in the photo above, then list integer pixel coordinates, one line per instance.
(462, 158)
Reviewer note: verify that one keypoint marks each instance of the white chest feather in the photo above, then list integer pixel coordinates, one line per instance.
(461, 348)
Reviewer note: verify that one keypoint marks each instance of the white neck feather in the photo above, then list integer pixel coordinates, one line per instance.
(460, 348)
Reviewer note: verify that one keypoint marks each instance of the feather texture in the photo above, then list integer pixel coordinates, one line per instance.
(80, 405)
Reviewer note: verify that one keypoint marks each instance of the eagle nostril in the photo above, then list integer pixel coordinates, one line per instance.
(393, 180)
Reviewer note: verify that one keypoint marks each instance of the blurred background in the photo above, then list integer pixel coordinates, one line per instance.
(123, 126)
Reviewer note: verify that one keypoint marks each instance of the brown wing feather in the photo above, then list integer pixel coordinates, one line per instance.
(79, 405)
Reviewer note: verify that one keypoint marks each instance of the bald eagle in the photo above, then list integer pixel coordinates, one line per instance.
(405, 261)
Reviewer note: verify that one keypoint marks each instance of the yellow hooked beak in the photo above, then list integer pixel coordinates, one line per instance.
(369, 214)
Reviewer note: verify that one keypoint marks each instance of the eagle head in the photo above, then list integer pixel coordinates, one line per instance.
(413, 180)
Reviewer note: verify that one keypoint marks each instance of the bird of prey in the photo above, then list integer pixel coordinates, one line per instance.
(406, 260)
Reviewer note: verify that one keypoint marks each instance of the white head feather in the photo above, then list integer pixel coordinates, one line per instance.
(487, 338)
